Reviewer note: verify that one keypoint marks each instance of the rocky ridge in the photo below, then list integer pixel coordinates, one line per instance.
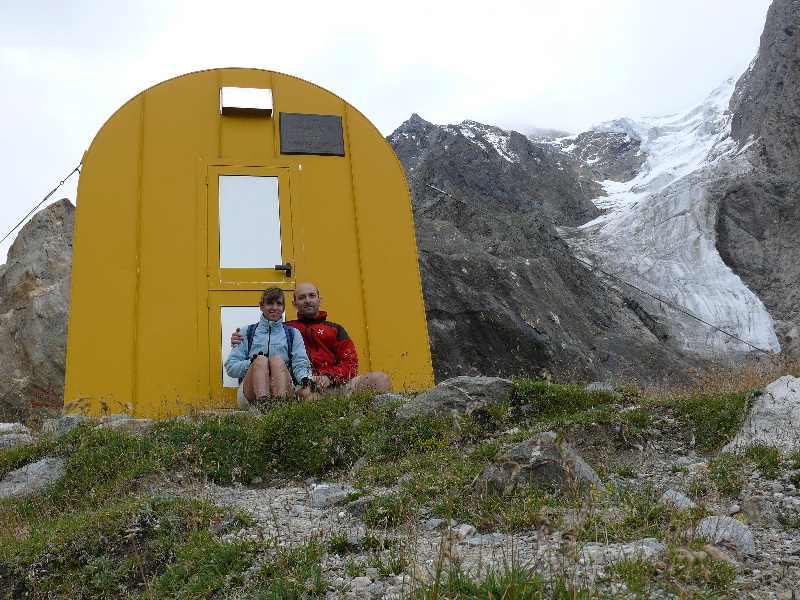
(503, 292)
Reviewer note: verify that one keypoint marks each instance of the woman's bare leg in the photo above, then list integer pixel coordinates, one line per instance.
(280, 382)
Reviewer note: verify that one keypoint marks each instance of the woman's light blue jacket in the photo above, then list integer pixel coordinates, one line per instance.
(269, 338)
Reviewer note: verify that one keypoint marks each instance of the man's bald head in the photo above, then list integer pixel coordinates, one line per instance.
(307, 300)
(304, 288)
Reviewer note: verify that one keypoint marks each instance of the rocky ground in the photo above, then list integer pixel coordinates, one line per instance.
(295, 512)
(755, 528)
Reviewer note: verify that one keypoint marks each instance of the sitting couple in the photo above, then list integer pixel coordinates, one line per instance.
(270, 355)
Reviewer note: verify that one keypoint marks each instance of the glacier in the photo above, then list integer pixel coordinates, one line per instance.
(656, 236)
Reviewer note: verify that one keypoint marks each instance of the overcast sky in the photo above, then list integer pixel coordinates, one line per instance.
(67, 65)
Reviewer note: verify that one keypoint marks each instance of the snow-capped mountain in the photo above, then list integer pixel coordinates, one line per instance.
(503, 293)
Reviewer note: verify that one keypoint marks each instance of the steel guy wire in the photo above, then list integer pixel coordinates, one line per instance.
(33, 210)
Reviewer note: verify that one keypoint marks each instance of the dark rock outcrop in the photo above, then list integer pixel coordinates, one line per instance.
(604, 155)
(759, 212)
(34, 308)
(490, 168)
(765, 107)
(463, 395)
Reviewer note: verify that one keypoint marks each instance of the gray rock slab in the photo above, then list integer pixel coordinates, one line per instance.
(774, 419)
(7, 428)
(34, 309)
(677, 499)
(647, 549)
(359, 506)
(463, 531)
(32, 478)
(461, 394)
(544, 461)
(10, 441)
(329, 494)
(65, 424)
(722, 529)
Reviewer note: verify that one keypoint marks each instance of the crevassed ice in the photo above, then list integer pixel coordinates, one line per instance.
(657, 231)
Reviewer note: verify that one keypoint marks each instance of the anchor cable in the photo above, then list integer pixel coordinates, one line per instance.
(33, 210)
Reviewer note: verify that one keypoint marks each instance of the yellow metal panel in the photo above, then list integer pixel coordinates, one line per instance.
(329, 250)
(100, 347)
(180, 120)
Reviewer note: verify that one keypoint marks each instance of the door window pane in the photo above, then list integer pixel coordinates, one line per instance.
(249, 222)
(232, 317)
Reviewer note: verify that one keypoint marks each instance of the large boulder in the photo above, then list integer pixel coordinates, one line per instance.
(464, 395)
(13, 435)
(774, 419)
(543, 461)
(34, 309)
(727, 532)
(32, 478)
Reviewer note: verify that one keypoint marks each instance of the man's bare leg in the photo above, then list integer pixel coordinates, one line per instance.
(374, 381)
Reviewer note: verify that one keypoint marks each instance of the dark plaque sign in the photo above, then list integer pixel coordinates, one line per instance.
(311, 134)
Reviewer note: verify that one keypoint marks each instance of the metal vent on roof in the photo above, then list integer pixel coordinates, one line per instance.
(239, 101)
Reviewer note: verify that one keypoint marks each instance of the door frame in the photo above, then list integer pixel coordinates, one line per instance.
(219, 287)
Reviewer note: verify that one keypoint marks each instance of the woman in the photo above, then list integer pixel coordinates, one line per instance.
(260, 361)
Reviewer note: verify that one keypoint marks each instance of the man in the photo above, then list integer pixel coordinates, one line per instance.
(334, 360)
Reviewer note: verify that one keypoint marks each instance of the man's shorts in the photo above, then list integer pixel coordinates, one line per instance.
(345, 391)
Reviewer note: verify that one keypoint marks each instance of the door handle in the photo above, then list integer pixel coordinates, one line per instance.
(287, 267)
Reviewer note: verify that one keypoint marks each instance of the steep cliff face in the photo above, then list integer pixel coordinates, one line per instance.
(603, 155)
(759, 211)
(34, 307)
(658, 233)
(766, 105)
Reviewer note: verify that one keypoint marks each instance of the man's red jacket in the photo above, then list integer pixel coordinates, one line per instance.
(330, 349)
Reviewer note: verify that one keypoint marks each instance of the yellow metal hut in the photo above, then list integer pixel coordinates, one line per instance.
(198, 194)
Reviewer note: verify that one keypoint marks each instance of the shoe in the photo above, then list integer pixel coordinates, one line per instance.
(266, 403)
